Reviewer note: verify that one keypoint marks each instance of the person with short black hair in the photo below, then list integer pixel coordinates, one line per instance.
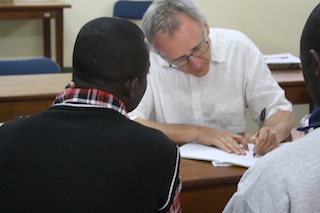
(84, 154)
(288, 178)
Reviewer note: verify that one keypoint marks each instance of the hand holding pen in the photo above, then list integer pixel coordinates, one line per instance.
(265, 139)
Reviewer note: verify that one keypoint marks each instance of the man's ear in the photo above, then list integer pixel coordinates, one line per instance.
(130, 87)
(316, 57)
(71, 85)
(207, 29)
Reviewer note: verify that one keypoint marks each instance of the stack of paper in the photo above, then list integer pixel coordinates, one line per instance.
(282, 61)
(209, 153)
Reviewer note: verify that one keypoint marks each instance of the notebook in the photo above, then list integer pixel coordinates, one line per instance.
(208, 153)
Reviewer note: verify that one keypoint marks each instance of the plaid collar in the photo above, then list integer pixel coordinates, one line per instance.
(90, 98)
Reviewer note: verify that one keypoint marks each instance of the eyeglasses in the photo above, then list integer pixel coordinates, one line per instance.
(197, 52)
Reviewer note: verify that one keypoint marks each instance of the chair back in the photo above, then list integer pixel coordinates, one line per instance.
(28, 66)
(130, 9)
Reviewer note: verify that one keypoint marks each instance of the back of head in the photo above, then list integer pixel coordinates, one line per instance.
(310, 54)
(109, 51)
(163, 16)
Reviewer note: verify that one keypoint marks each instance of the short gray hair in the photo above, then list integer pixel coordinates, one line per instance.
(163, 17)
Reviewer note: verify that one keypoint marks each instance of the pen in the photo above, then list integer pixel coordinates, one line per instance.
(262, 119)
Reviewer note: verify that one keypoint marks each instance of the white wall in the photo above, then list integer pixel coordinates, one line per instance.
(274, 26)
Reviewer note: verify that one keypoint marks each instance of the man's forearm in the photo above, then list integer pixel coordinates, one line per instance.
(179, 133)
(282, 123)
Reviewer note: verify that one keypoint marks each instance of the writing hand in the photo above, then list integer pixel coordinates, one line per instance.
(265, 142)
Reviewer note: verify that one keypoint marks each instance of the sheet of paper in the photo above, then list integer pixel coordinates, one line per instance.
(218, 164)
(283, 58)
(209, 153)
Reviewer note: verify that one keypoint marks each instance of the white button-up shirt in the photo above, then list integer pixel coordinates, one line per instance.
(238, 78)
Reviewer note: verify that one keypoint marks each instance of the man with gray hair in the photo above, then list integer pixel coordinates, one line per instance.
(202, 79)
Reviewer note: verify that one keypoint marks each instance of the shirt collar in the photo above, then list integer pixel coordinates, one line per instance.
(90, 98)
(216, 54)
(314, 121)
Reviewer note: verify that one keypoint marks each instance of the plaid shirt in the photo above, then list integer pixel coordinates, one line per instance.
(100, 99)
(90, 98)
(175, 206)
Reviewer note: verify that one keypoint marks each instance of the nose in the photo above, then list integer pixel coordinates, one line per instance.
(195, 62)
